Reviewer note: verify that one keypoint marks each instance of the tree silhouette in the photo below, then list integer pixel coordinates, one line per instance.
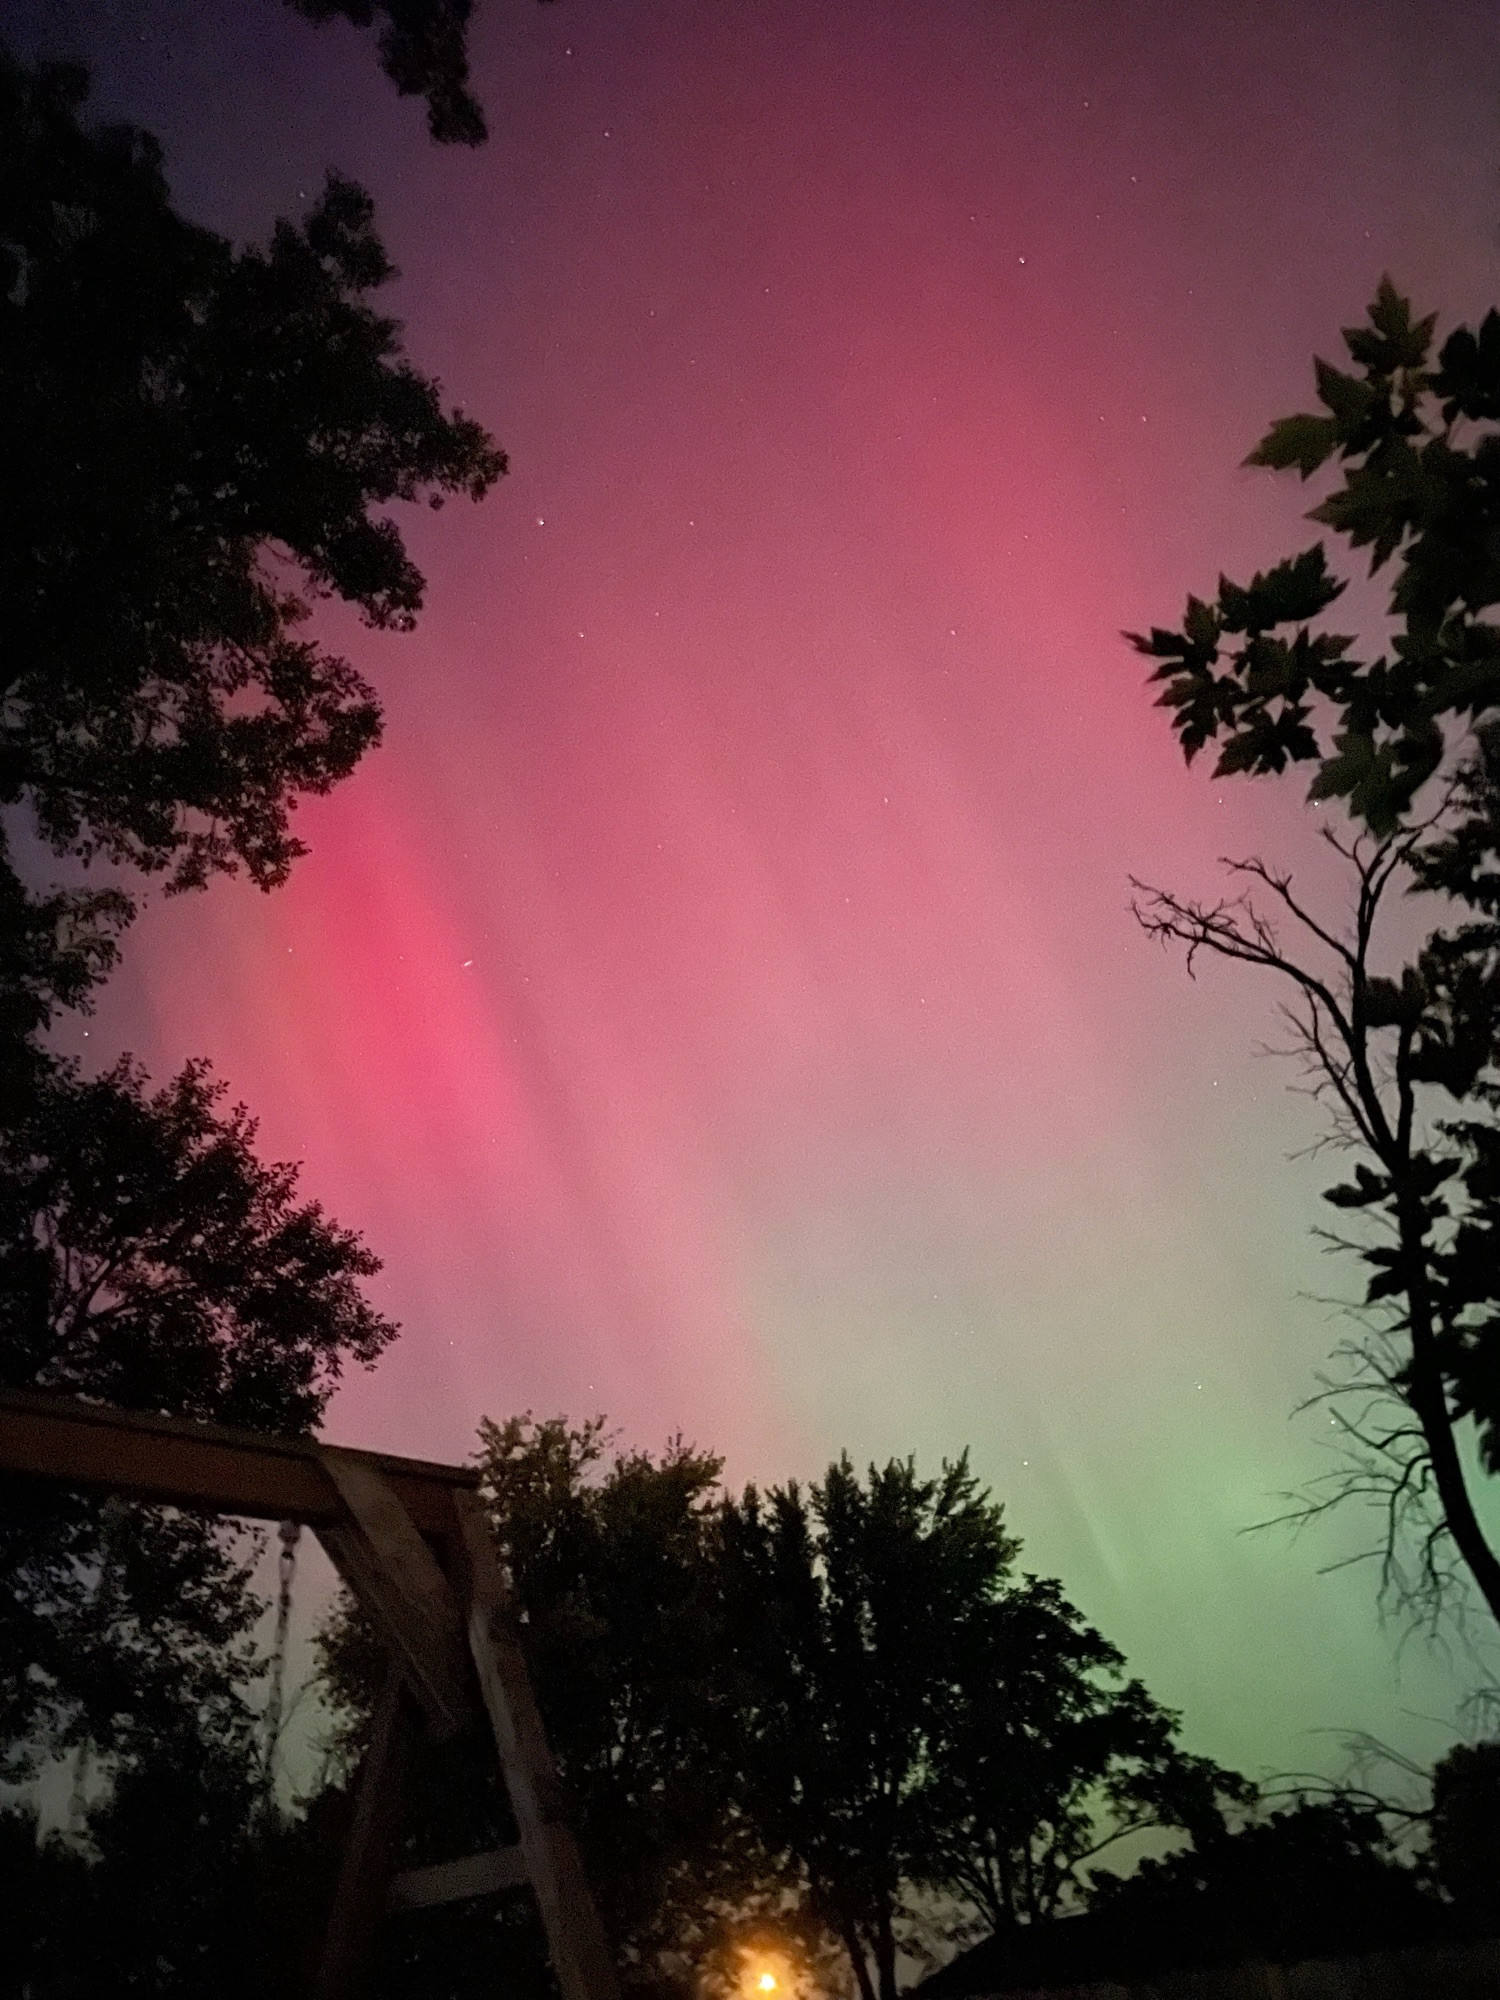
(150, 1259)
(1465, 1828)
(424, 50)
(1403, 1057)
(617, 1567)
(614, 1565)
(795, 1723)
(1052, 1757)
(1322, 1878)
(1318, 1879)
(197, 442)
(855, 1608)
(922, 1720)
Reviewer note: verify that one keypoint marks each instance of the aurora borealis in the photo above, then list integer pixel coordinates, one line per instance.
(717, 1001)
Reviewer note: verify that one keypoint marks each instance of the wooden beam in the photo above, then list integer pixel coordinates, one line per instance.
(90, 1446)
(452, 1881)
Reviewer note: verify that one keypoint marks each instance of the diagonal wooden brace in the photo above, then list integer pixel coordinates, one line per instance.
(580, 1952)
(384, 1560)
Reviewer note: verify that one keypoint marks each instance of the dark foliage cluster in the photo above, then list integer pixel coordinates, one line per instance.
(197, 442)
(1464, 1822)
(1011, 1750)
(800, 1723)
(424, 50)
(1404, 1057)
(1420, 454)
(153, 1260)
(1322, 1878)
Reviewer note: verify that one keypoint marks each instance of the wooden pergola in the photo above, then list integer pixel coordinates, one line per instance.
(412, 1542)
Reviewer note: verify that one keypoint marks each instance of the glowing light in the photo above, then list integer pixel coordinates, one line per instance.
(766, 1983)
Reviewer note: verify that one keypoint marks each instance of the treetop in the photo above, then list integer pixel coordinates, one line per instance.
(1419, 450)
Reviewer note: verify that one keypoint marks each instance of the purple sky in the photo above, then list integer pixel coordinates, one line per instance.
(717, 1001)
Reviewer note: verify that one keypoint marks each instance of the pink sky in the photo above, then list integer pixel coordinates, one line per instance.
(717, 1001)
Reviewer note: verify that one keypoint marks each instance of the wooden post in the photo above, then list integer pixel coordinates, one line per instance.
(365, 1871)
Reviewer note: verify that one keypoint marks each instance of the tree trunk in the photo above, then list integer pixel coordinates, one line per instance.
(1428, 1398)
(854, 1945)
(885, 1951)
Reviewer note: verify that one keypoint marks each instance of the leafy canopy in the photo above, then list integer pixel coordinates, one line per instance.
(424, 51)
(791, 1720)
(613, 1562)
(1052, 1756)
(1417, 444)
(1321, 1878)
(195, 442)
(1419, 448)
(920, 1719)
(150, 1259)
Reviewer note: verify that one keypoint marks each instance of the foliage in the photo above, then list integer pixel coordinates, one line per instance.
(793, 1724)
(1464, 1826)
(858, 1608)
(196, 440)
(54, 948)
(1388, 1050)
(617, 1572)
(187, 1888)
(1321, 1878)
(150, 1259)
(199, 442)
(613, 1566)
(424, 51)
(1420, 451)
(177, 1875)
(116, 1622)
(1053, 1757)
(922, 1720)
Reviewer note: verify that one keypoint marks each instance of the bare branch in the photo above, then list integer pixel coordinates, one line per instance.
(1232, 929)
(1281, 886)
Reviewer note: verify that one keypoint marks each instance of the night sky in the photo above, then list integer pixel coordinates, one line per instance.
(717, 1001)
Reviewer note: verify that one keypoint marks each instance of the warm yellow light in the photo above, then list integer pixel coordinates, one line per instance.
(766, 1983)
